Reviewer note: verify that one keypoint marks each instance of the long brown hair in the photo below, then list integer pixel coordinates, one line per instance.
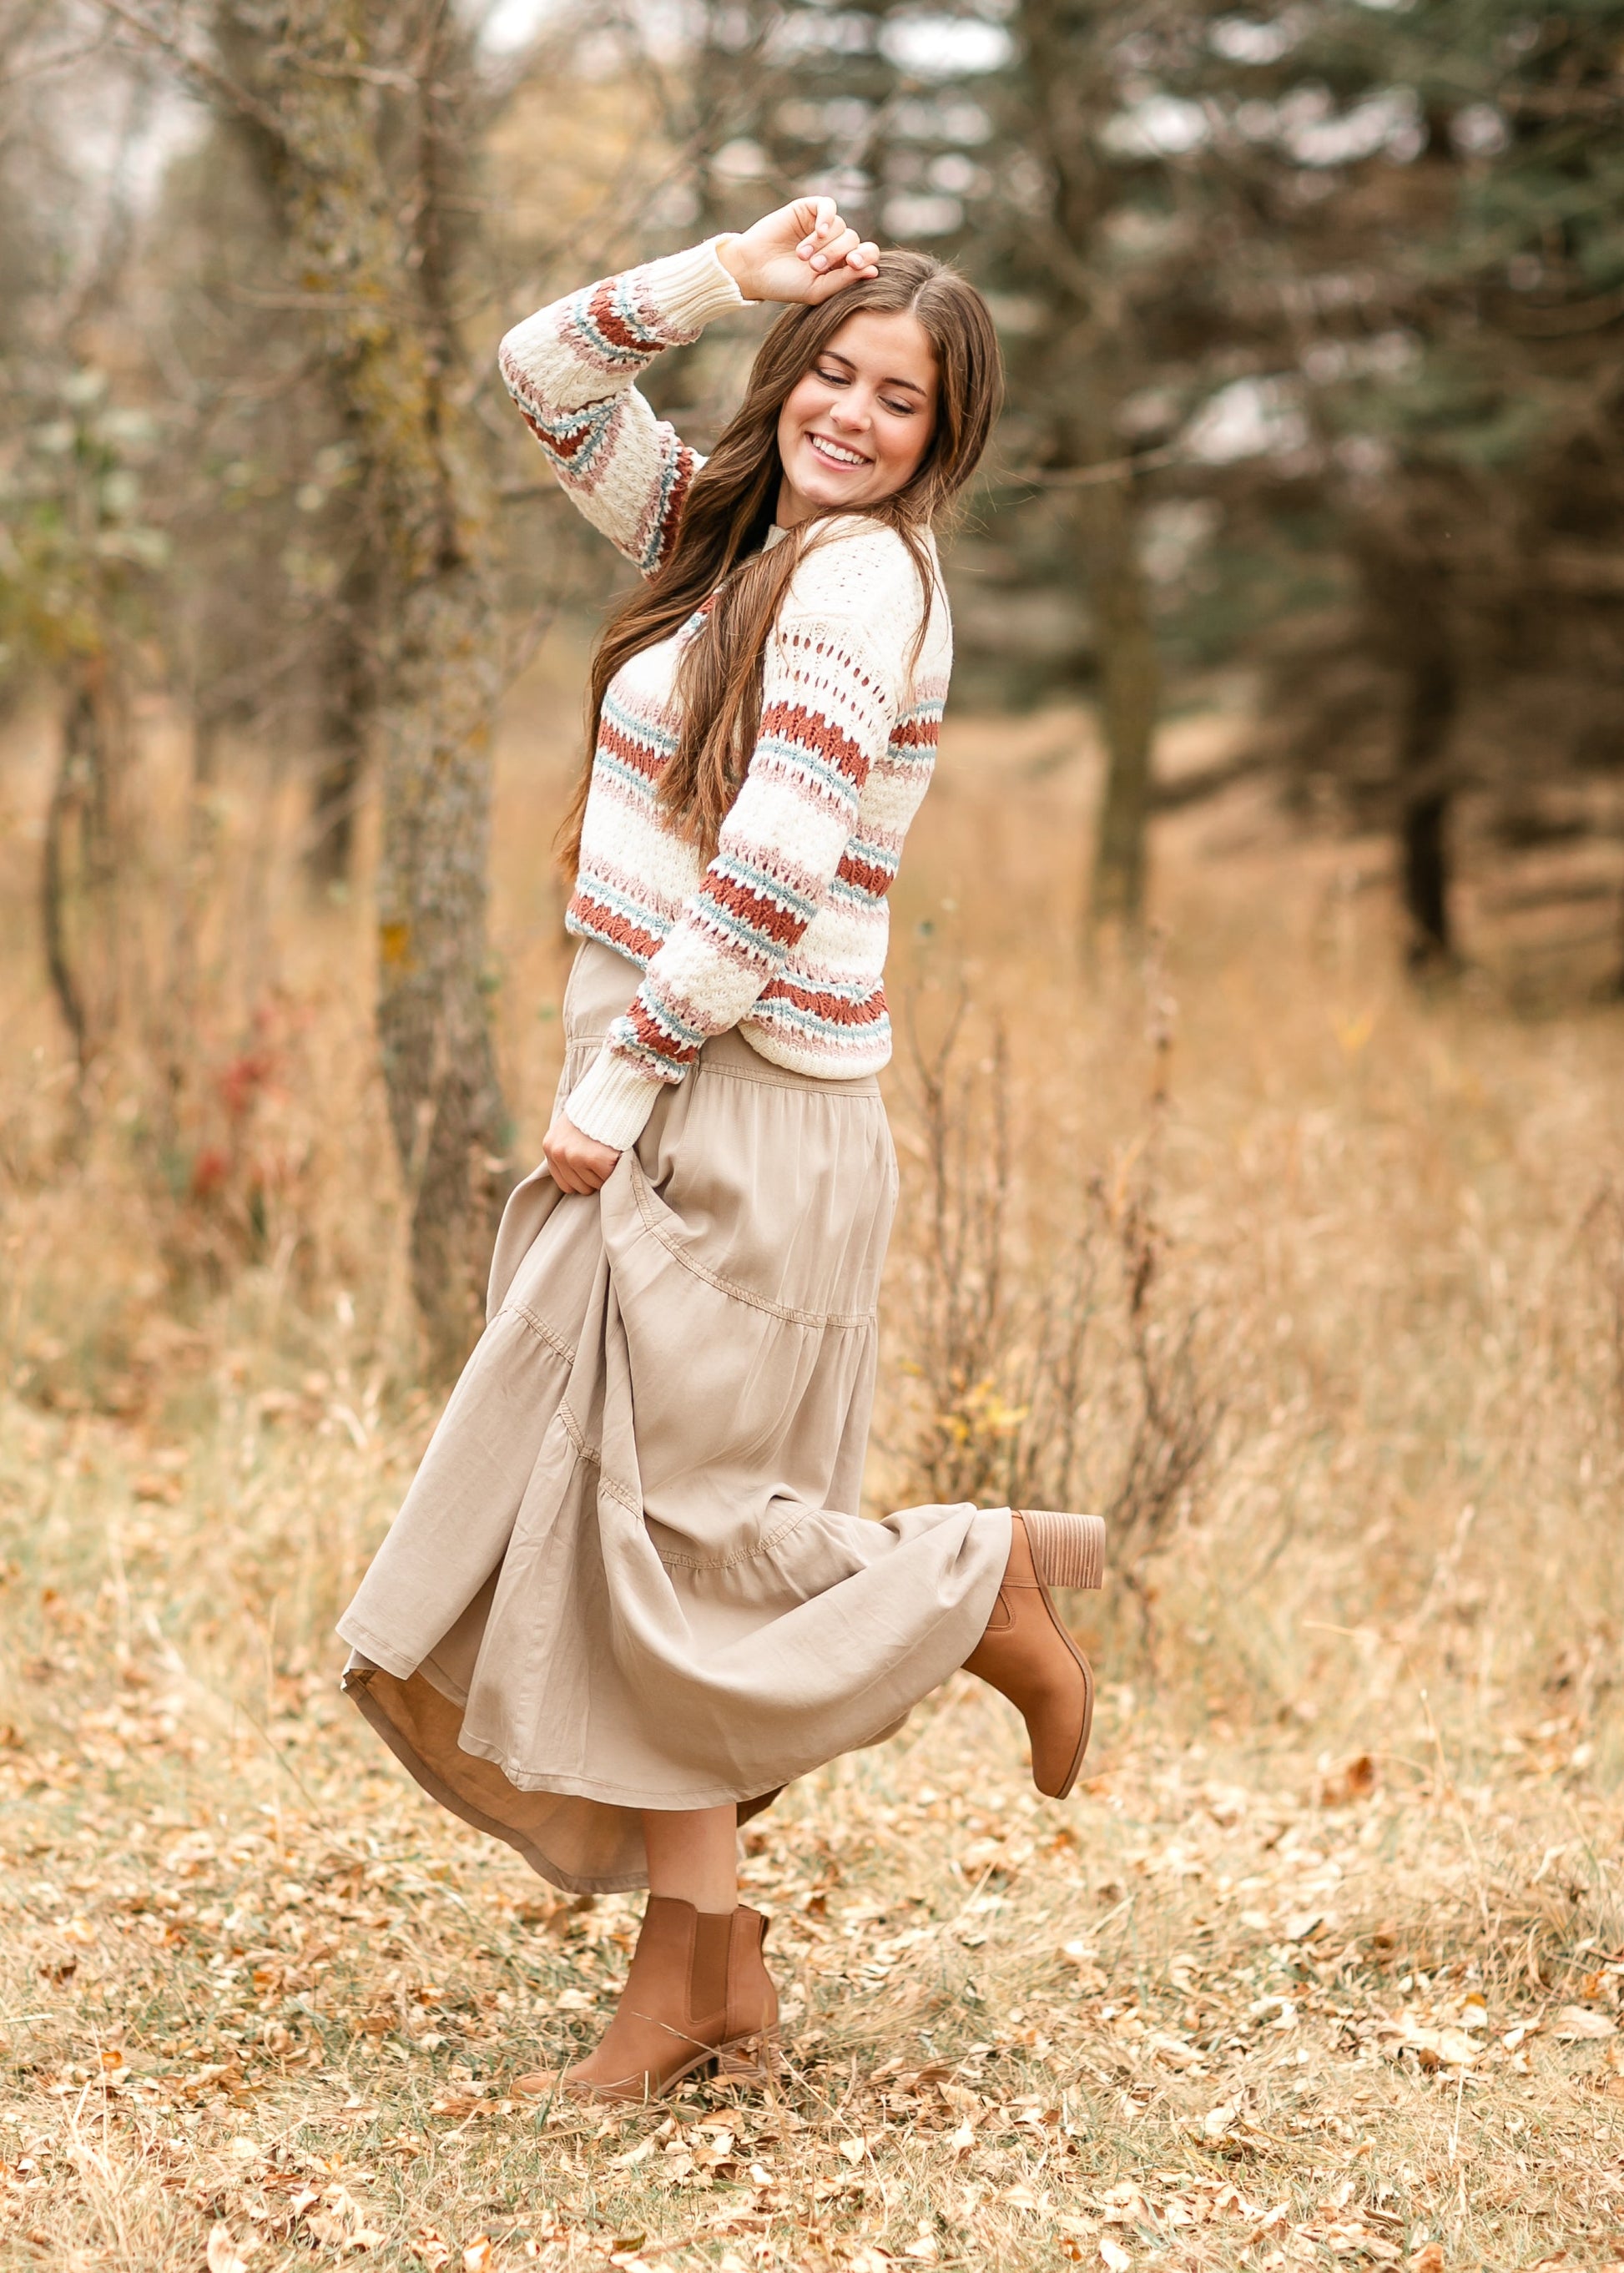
(730, 509)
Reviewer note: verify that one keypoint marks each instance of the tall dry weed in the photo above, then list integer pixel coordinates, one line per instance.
(1050, 1364)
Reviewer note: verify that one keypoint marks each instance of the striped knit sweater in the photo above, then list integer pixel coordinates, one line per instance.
(784, 932)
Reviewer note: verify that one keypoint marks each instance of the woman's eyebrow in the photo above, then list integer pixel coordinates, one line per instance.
(833, 355)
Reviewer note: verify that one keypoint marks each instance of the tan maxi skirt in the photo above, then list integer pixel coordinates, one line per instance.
(631, 1571)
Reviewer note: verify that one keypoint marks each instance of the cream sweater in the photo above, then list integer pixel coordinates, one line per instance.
(784, 932)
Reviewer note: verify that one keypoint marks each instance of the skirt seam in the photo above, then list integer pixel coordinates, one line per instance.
(593, 1456)
(739, 1554)
(543, 1332)
(841, 1321)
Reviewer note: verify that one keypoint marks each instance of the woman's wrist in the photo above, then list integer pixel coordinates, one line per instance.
(725, 248)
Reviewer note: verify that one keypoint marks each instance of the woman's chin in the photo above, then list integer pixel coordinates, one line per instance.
(827, 486)
(832, 495)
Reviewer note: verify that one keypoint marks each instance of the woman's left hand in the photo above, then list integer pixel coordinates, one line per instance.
(579, 1163)
(803, 251)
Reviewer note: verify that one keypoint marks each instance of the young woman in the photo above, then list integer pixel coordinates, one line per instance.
(629, 1595)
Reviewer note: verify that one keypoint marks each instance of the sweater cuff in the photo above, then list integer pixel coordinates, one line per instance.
(689, 288)
(611, 1101)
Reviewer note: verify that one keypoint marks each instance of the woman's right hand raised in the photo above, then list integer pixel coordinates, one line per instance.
(803, 251)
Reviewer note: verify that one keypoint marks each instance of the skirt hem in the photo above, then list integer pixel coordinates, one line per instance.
(357, 1682)
(626, 1882)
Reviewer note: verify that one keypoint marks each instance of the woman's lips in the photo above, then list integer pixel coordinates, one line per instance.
(823, 451)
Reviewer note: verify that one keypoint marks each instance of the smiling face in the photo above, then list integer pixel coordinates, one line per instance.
(853, 428)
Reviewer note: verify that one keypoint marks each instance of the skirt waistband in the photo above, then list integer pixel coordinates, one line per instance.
(601, 987)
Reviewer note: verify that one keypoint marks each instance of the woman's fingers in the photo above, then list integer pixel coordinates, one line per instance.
(831, 281)
(576, 1161)
(820, 218)
(830, 253)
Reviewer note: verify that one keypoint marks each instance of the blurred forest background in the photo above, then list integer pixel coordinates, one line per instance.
(1258, 968)
(1313, 321)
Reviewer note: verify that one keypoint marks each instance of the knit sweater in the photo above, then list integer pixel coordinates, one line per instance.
(784, 932)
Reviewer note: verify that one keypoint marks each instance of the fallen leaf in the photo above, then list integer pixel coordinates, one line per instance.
(1217, 2120)
(222, 2253)
(1438, 2047)
(1114, 2255)
(1576, 2023)
(1430, 2260)
(1354, 1780)
(1085, 1961)
(1355, 2240)
(479, 2254)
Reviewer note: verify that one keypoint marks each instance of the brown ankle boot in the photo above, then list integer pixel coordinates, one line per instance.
(698, 1993)
(1025, 1652)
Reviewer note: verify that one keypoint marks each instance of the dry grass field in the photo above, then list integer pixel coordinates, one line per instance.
(1321, 1966)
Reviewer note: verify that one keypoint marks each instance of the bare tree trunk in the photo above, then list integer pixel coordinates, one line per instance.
(1409, 605)
(86, 845)
(1130, 699)
(343, 87)
(1069, 94)
(348, 707)
(1423, 821)
(439, 1068)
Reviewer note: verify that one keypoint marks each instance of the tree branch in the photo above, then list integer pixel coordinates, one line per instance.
(209, 75)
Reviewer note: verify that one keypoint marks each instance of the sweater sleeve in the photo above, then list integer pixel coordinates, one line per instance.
(570, 369)
(831, 682)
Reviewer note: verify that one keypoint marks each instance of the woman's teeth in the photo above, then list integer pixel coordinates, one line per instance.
(833, 454)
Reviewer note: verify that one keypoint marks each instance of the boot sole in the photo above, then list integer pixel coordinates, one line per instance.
(1067, 1550)
(753, 2058)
